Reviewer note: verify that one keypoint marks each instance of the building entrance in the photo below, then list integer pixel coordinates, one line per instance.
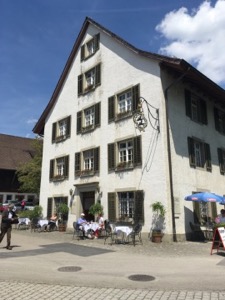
(88, 198)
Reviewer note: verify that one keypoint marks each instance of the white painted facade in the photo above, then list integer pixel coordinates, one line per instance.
(122, 68)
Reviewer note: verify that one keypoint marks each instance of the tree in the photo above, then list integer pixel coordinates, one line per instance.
(29, 174)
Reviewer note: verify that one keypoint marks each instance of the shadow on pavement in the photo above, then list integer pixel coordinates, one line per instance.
(53, 248)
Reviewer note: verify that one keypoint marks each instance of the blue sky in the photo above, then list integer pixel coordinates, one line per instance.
(37, 37)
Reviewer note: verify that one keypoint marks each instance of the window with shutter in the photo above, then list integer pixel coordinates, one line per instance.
(90, 48)
(196, 108)
(204, 212)
(59, 168)
(87, 162)
(199, 154)
(89, 119)
(89, 80)
(123, 104)
(125, 154)
(221, 159)
(219, 119)
(61, 130)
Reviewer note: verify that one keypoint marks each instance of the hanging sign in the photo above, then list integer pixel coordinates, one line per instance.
(218, 239)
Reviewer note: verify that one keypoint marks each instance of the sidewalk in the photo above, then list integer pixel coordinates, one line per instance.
(54, 266)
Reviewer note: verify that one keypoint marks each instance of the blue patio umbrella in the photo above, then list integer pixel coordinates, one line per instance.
(205, 197)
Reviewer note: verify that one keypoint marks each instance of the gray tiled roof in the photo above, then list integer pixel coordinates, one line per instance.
(14, 151)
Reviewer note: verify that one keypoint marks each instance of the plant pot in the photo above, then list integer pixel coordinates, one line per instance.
(62, 227)
(157, 237)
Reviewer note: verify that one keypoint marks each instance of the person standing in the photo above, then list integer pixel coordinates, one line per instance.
(23, 203)
(9, 217)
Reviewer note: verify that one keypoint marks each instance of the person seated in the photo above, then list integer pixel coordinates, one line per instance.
(52, 222)
(101, 224)
(220, 218)
(81, 222)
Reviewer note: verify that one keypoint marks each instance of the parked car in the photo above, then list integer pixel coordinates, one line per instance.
(3, 206)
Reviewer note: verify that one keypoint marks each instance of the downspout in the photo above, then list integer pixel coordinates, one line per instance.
(169, 154)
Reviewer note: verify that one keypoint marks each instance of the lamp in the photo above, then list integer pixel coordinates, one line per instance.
(71, 192)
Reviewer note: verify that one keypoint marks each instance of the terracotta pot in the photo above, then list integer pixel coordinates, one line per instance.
(157, 237)
(62, 227)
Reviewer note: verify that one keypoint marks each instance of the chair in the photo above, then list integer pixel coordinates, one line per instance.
(52, 226)
(136, 232)
(77, 231)
(197, 234)
(109, 232)
(34, 225)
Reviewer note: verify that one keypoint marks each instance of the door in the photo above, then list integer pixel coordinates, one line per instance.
(88, 198)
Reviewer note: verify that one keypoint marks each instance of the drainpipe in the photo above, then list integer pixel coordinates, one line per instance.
(169, 154)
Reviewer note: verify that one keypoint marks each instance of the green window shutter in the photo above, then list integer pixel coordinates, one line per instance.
(111, 108)
(137, 151)
(208, 157)
(191, 152)
(77, 164)
(139, 207)
(68, 126)
(112, 207)
(96, 159)
(49, 208)
(98, 114)
(79, 121)
(214, 210)
(221, 161)
(216, 119)
(111, 157)
(96, 41)
(187, 95)
(51, 170)
(53, 132)
(66, 170)
(203, 112)
(82, 53)
(80, 85)
(98, 75)
(135, 96)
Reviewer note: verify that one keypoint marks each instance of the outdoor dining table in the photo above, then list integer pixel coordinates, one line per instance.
(90, 226)
(43, 222)
(23, 222)
(122, 232)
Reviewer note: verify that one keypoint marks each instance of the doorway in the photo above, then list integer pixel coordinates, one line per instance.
(87, 199)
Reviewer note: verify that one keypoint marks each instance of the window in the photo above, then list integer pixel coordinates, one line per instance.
(195, 108)
(89, 80)
(204, 212)
(219, 118)
(199, 154)
(123, 104)
(59, 168)
(87, 162)
(90, 48)
(126, 206)
(125, 154)
(221, 159)
(88, 119)
(61, 130)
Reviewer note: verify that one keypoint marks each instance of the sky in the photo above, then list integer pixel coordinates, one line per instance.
(37, 36)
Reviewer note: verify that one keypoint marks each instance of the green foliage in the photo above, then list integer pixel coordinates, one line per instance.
(96, 208)
(29, 174)
(219, 225)
(31, 214)
(62, 210)
(158, 208)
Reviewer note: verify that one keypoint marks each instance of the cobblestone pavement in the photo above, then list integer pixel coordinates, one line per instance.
(28, 291)
(20, 290)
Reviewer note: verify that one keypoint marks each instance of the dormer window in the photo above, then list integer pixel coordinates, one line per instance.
(90, 48)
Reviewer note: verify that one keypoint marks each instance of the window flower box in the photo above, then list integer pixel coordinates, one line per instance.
(124, 166)
(60, 138)
(123, 115)
(58, 177)
(84, 173)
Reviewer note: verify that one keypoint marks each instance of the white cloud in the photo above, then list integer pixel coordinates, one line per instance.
(31, 121)
(198, 37)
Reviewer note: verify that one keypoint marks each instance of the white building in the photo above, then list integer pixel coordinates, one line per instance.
(93, 150)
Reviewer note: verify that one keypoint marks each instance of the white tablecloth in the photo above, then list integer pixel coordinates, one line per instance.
(125, 229)
(24, 221)
(93, 226)
(43, 222)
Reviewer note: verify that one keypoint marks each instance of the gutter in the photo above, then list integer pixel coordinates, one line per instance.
(169, 153)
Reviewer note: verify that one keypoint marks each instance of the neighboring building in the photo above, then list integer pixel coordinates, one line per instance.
(93, 150)
(14, 151)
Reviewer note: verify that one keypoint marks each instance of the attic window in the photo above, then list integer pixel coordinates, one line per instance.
(90, 48)
(89, 80)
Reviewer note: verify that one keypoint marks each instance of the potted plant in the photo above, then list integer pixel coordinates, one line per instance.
(96, 209)
(62, 211)
(158, 221)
